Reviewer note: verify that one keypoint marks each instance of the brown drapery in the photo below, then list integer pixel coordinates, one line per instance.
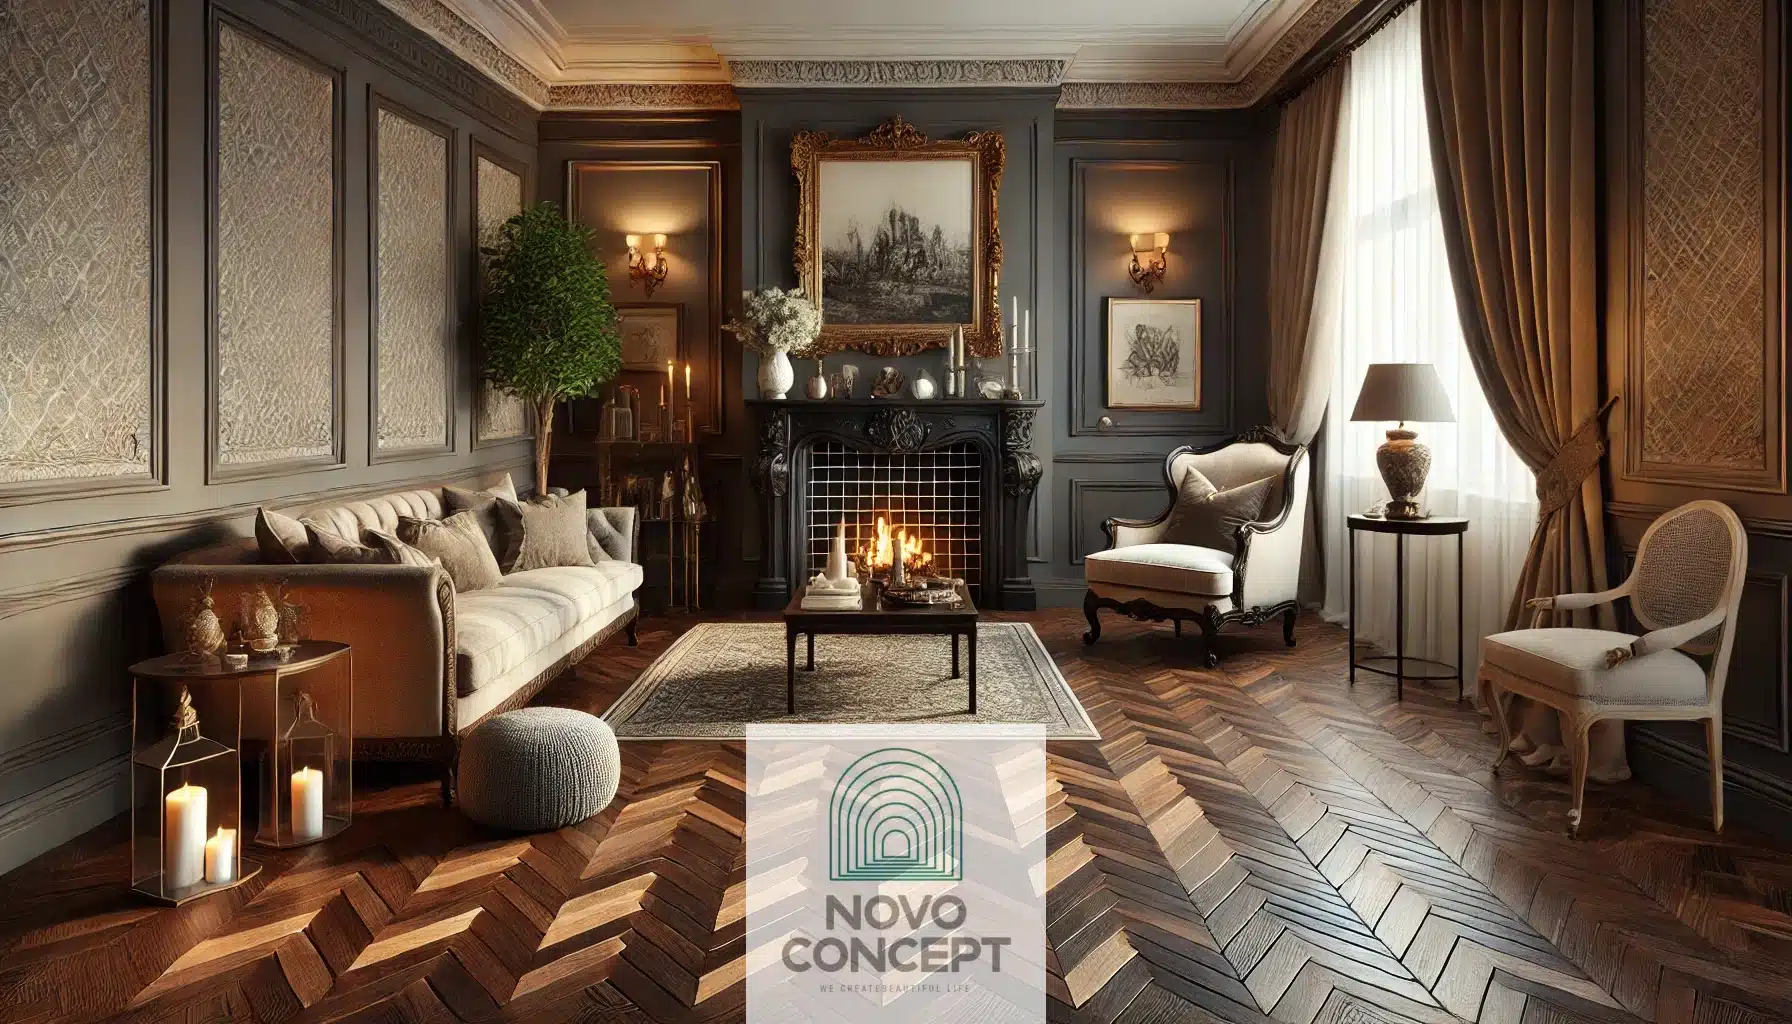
(1300, 366)
(1509, 96)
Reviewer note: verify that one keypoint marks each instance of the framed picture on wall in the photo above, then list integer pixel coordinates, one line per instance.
(897, 240)
(1153, 354)
(649, 333)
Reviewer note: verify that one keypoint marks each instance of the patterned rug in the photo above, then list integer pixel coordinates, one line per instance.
(721, 675)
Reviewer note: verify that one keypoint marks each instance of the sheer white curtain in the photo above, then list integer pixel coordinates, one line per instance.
(1385, 296)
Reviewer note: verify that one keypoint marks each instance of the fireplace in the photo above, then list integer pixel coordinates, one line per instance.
(957, 475)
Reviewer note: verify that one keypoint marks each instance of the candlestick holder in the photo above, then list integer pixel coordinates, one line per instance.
(186, 793)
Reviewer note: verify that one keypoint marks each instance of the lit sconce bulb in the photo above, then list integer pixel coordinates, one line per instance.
(647, 269)
(1155, 248)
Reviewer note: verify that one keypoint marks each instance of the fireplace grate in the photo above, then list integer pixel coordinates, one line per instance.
(935, 493)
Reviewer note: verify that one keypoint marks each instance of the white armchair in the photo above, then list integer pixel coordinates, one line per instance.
(1142, 577)
(1684, 590)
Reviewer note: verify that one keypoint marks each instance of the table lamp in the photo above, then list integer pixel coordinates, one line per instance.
(1404, 393)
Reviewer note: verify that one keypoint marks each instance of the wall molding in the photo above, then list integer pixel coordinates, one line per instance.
(1681, 769)
(43, 594)
(1138, 458)
(1079, 486)
(896, 73)
(205, 517)
(51, 747)
(1778, 529)
(82, 800)
(655, 96)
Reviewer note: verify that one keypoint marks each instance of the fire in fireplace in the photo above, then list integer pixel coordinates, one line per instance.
(931, 499)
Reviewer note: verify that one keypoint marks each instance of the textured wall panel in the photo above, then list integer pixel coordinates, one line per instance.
(415, 375)
(499, 192)
(75, 387)
(276, 335)
(1704, 304)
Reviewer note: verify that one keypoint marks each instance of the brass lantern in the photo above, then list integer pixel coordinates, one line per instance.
(305, 789)
(185, 808)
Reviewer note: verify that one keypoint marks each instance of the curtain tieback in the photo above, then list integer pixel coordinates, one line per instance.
(1559, 482)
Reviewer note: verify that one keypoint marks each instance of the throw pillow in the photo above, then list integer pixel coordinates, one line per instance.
(282, 539)
(397, 551)
(459, 543)
(327, 548)
(500, 518)
(1213, 521)
(603, 540)
(554, 532)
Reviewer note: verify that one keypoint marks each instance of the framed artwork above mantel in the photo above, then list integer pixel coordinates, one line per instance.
(897, 239)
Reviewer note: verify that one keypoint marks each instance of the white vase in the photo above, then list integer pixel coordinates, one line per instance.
(775, 375)
(817, 387)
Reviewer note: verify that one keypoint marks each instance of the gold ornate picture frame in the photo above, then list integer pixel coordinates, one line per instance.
(906, 262)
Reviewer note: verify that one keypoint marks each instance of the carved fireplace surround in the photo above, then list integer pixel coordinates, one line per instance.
(1000, 434)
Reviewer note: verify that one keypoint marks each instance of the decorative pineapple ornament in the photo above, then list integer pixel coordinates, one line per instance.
(204, 633)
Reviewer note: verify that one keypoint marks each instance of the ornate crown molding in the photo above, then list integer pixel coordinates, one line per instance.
(1151, 95)
(468, 42)
(886, 73)
(610, 96)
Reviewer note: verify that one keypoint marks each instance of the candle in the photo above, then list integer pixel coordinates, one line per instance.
(183, 837)
(670, 384)
(220, 857)
(687, 384)
(307, 803)
(1026, 331)
(662, 396)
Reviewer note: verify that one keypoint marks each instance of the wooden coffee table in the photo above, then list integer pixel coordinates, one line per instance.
(877, 618)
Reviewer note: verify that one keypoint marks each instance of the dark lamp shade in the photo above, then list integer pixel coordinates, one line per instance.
(1402, 393)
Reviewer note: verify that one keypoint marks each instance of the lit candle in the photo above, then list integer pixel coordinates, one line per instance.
(670, 384)
(307, 803)
(662, 396)
(220, 857)
(687, 384)
(183, 837)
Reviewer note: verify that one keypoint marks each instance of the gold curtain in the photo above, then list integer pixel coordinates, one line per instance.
(1300, 365)
(1509, 95)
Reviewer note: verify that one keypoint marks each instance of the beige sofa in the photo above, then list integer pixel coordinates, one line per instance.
(429, 664)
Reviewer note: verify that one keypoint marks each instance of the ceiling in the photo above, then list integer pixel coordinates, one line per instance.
(569, 42)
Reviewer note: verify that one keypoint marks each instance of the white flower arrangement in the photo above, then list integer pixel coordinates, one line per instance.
(776, 320)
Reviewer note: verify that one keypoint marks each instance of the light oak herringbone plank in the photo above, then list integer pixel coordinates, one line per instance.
(1245, 844)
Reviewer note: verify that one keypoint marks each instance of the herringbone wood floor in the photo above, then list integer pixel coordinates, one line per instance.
(1251, 843)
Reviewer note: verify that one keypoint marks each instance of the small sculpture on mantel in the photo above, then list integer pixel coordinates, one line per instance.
(888, 383)
(922, 387)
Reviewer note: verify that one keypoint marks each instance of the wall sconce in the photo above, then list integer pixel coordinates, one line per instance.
(648, 269)
(1156, 250)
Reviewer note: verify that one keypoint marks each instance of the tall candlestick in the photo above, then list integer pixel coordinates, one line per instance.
(220, 857)
(307, 804)
(687, 385)
(669, 383)
(1026, 330)
(183, 837)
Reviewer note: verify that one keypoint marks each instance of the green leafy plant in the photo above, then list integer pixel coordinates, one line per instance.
(548, 329)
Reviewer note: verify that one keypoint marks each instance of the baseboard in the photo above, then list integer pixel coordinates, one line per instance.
(46, 819)
(1059, 592)
(1752, 798)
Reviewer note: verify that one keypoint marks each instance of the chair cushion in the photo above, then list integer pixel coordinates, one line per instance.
(1206, 518)
(1178, 568)
(499, 628)
(1573, 661)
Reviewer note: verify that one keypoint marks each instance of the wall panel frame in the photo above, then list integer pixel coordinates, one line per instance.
(218, 468)
(483, 396)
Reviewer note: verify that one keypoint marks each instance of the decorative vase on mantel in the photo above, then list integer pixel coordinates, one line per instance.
(775, 375)
(817, 386)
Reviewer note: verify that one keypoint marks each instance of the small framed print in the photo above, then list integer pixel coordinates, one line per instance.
(1154, 354)
(649, 333)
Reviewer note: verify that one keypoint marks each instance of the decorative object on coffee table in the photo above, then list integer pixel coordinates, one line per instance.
(203, 635)
(258, 621)
(719, 677)
(537, 769)
(186, 793)
(879, 616)
(1403, 392)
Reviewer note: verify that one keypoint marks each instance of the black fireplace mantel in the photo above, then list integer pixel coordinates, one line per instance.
(1001, 430)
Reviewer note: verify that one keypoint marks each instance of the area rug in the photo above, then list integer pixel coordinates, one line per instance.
(720, 676)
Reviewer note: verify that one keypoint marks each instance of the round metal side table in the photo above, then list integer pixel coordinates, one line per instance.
(1433, 526)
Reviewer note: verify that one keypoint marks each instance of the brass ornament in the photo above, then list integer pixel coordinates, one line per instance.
(897, 139)
(203, 635)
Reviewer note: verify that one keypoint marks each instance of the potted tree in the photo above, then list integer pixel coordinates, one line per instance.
(548, 328)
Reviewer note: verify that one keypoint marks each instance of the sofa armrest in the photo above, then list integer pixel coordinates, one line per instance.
(399, 620)
(1125, 533)
(613, 534)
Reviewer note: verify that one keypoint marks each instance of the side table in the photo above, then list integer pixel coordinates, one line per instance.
(1433, 526)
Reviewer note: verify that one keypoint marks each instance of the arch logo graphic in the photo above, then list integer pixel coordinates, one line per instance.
(896, 816)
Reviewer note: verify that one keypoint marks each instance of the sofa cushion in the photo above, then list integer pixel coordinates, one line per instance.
(1573, 661)
(499, 516)
(499, 628)
(554, 533)
(459, 543)
(281, 539)
(326, 548)
(1178, 568)
(381, 513)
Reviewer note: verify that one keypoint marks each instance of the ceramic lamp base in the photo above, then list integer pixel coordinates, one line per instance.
(1404, 465)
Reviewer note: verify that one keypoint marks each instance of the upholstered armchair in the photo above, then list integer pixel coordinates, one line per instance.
(1684, 590)
(1142, 576)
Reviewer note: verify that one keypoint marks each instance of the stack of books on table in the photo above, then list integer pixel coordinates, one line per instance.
(825, 595)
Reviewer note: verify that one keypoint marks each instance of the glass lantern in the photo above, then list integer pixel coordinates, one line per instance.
(185, 802)
(306, 785)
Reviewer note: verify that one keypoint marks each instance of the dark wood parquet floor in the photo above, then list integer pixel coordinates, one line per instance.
(1252, 843)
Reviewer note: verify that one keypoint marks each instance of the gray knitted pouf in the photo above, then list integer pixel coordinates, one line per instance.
(538, 768)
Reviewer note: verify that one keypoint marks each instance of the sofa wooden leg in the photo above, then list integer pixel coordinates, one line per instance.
(1091, 606)
(1288, 618)
(448, 785)
(629, 630)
